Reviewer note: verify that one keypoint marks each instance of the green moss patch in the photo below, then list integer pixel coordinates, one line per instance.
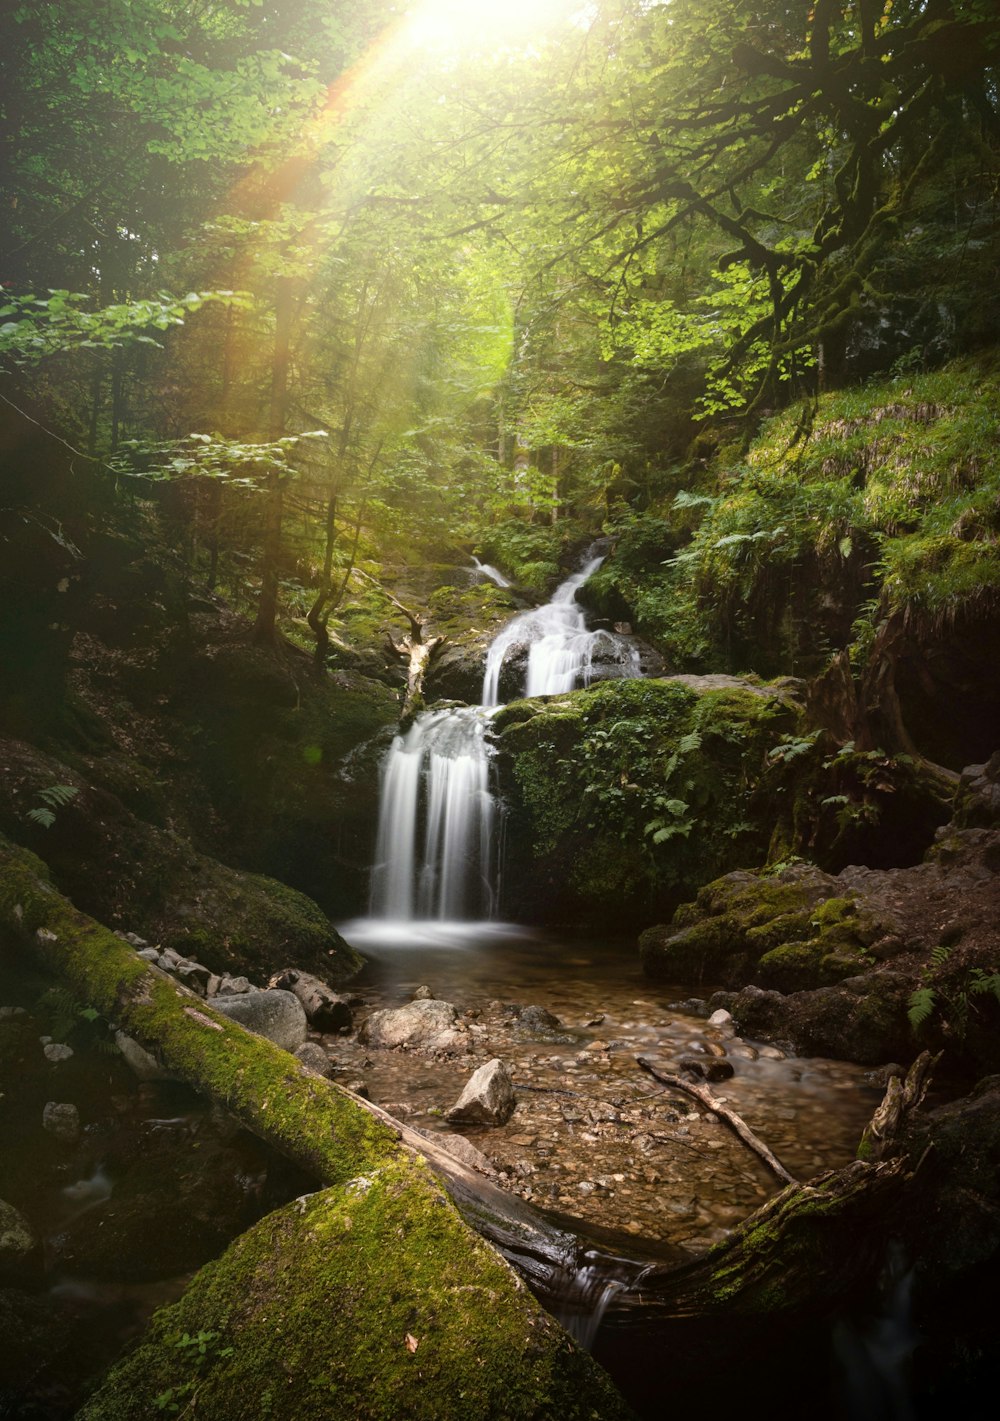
(367, 1301)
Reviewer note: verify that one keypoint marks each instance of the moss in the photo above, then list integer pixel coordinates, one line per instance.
(261, 1085)
(371, 1300)
(632, 791)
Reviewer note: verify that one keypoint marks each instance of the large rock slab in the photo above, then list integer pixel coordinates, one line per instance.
(423, 1025)
(277, 1015)
(488, 1097)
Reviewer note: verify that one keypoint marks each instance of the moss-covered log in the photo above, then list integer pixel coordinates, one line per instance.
(408, 1236)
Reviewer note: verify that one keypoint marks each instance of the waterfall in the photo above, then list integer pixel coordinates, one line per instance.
(488, 570)
(436, 776)
(436, 849)
(561, 651)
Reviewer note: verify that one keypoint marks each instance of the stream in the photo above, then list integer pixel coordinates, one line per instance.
(593, 1136)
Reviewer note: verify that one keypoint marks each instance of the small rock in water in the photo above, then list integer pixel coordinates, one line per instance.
(488, 1097)
(720, 1018)
(771, 1053)
(423, 994)
(464, 1150)
(538, 1019)
(61, 1119)
(357, 1087)
(56, 1052)
(430, 1025)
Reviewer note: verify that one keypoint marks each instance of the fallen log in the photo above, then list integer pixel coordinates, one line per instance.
(806, 1248)
(411, 1248)
(735, 1122)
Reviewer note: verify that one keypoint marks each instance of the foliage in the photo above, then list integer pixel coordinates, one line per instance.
(53, 797)
(953, 995)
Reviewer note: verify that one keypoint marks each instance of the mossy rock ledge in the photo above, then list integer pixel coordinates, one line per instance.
(623, 798)
(791, 931)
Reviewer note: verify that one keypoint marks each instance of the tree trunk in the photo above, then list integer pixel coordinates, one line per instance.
(267, 607)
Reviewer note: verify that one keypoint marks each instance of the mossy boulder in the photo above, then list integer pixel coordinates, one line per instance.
(793, 930)
(370, 1300)
(625, 797)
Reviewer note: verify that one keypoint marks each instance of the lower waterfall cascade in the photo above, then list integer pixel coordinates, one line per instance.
(437, 844)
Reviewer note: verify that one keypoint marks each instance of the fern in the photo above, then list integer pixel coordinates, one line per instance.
(921, 1005)
(53, 797)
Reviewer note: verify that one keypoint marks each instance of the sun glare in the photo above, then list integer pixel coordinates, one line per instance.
(454, 25)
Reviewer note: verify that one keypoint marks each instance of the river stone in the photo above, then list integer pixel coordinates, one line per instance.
(465, 1151)
(430, 1025)
(276, 1015)
(17, 1239)
(314, 1058)
(488, 1097)
(62, 1120)
(325, 1009)
(55, 1051)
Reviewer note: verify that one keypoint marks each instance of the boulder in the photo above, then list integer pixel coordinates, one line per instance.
(424, 1025)
(488, 1097)
(277, 1015)
(325, 1009)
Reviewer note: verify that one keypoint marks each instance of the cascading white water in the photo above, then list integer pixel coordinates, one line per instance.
(435, 854)
(561, 650)
(440, 766)
(494, 574)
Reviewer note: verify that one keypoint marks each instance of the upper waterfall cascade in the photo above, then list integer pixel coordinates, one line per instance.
(436, 854)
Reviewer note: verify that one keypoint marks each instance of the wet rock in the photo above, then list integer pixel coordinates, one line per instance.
(862, 1019)
(56, 1052)
(721, 1017)
(62, 1120)
(709, 1069)
(274, 1014)
(423, 994)
(357, 1087)
(314, 1058)
(488, 1097)
(424, 1025)
(535, 1018)
(19, 1245)
(325, 1009)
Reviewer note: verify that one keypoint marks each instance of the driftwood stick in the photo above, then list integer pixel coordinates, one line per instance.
(902, 1097)
(734, 1121)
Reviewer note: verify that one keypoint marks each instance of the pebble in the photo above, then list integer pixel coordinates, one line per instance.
(56, 1052)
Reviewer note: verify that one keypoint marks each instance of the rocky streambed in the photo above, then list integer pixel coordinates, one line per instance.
(593, 1135)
